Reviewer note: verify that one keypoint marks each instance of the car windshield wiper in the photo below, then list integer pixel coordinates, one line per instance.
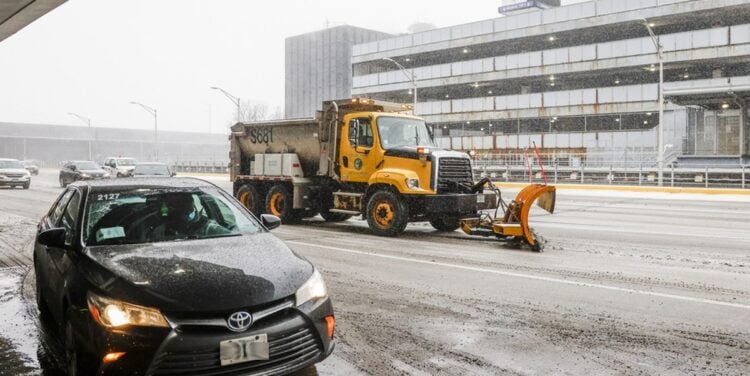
(196, 237)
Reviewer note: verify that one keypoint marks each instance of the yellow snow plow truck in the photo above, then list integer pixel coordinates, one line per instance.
(357, 157)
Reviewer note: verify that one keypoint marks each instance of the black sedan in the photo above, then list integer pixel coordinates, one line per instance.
(81, 170)
(175, 277)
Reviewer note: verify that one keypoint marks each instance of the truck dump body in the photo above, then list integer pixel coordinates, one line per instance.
(299, 136)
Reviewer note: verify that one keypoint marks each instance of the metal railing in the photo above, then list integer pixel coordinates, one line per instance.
(589, 169)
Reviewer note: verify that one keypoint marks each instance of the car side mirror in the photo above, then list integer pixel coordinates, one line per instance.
(270, 221)
(54, 237)
(73, 168)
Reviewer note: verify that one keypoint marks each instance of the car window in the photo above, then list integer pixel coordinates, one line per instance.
(68, 220)
(163, 214)
(59, 207)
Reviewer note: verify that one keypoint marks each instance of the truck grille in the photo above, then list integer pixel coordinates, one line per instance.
(286, 351)
(453, 172)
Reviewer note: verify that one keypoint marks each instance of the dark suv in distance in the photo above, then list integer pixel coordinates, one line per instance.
(173, 276)
(81, 170)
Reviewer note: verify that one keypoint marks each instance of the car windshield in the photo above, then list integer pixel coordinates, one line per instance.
(10, 164)
(126, 162)
(87, 166)
(398, 131)
(153, 215)
(143, 169)
(27, 163)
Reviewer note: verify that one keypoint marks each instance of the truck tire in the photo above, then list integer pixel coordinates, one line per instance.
(279, 203)
(387, 214)
(249, 196)
(445, 223)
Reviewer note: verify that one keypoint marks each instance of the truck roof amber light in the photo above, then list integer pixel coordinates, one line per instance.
(330, 325)
(112, 357)
(423, 151)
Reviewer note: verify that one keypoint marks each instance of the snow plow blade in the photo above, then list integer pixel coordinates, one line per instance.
(513, 227)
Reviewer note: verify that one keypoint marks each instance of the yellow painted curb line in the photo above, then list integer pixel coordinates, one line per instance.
(626, 188)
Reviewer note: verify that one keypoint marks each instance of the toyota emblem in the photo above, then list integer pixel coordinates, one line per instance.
(239, 321)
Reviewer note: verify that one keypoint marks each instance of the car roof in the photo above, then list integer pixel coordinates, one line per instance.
(135, 183)
(150, 164)
(80, 162)
(8, 159)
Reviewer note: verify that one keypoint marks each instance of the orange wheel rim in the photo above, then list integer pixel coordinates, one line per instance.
(383, 214)
(277, 204)
(246, 200)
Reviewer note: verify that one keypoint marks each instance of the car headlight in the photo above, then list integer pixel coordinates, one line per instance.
(412, 183)
(313, 289)
(85, 175)
(105, 175)
(111, 313)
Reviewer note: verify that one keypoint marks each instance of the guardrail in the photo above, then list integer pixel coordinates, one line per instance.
(205, 167)
(642, 175)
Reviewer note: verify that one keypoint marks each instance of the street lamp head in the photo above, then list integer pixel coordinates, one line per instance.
(214, 88)
(133, 102)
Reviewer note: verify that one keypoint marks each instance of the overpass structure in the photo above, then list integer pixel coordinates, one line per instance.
(17, 14)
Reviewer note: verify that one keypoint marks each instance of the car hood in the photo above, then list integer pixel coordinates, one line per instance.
(200, 275)
(13, 171)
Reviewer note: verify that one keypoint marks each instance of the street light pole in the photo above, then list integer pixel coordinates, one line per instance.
(87, 121)
(153, 113)
(410, 76)
(235, 100)
(660, 129)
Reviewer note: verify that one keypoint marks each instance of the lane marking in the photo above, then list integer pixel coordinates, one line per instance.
(527, 276)
(609, 228)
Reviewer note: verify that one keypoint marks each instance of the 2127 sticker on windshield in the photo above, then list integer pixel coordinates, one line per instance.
(110, 233)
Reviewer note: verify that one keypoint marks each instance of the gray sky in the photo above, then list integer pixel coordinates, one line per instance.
(93, 57)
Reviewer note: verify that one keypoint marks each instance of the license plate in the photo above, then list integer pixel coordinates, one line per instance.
(480, 199)
(245, 349)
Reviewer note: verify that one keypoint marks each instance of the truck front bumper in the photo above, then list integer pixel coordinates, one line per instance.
(458, 203)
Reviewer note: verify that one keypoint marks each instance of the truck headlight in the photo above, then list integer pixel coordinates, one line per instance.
(111, 313)
(313, 289)
(412, 183)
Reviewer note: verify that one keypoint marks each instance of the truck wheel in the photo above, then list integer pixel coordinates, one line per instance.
(249, 196)
(445, 223)
(279, 203)
(387, 214)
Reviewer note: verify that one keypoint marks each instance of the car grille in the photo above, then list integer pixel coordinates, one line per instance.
(453, 172)
(286, 351)
(15, 176)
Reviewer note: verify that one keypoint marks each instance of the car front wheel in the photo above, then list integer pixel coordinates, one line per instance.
(76, 360)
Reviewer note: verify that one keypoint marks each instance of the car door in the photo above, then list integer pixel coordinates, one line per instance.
(44, 254)
(60, 259)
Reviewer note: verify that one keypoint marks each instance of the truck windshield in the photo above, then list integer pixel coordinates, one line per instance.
(398, 131)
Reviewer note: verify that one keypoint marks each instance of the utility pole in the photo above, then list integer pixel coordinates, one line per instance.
(153, 113)
(235, 100)
(660, 128)
(87, 121)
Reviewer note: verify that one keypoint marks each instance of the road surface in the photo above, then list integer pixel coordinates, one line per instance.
(629, 283)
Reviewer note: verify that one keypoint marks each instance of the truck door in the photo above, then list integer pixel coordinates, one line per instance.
(357, 159)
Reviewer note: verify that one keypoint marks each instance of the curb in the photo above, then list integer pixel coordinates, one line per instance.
(627, 188)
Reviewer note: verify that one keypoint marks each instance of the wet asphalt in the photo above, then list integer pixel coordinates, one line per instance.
(627, 284)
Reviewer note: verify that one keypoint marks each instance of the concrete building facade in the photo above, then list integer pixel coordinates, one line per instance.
(579, 79)
(318, 67)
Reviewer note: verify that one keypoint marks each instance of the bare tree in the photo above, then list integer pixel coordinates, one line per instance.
(278, 113)
(251, 110)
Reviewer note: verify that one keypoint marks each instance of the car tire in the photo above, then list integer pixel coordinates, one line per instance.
(249, 196)
(387, 214)
(445, 223)
(77, 362)
(40, 304)
(279, 203)
(27, 185)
